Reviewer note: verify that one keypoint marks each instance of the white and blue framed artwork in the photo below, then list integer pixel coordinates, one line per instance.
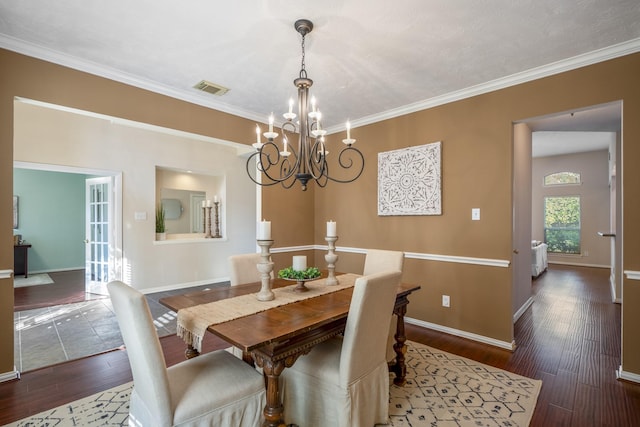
(409, 181)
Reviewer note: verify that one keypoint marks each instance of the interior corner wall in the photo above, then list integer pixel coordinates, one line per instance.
(32, 79)
(477, 168)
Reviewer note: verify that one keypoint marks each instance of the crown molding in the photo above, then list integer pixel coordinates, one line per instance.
(590, 58)
(65, 60)
(599, 55)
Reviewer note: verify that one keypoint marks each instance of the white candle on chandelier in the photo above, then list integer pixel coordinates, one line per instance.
(284, 140)
(348, 130)
(290, 105)
(319, 117)
(258, 134)
(313, 104)
(271, 123)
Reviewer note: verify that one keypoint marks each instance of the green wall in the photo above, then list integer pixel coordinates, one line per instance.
(51, 208)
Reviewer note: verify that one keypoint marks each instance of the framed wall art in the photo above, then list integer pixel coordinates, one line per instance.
(409, 181)
(15, 211)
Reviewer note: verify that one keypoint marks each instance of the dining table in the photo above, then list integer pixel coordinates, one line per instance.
(275, 338)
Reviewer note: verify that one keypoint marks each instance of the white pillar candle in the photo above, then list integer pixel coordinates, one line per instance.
(264, 230)
(299, 263)
(331, 229)
(215, 199)
(208, 203)
(204, 203)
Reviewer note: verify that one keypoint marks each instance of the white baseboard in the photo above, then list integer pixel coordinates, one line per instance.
(8, 376)
(627, 376)
(522, 309)
(451, 331)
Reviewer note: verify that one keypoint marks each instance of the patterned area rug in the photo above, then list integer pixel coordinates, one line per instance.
(442, 390)
(445, 390)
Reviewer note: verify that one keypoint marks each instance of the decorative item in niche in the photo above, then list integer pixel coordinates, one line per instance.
(409, 181)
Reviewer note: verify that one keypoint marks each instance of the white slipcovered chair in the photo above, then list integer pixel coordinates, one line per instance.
(378, 260)
(211, 389)
(344, 382)
(242, 269)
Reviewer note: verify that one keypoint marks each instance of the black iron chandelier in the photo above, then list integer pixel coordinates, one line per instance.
(286, 164)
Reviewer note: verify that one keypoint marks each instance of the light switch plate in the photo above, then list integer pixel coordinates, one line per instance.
(475, 214)
(140, 216)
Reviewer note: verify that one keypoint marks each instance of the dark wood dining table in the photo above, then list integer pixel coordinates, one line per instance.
(275, 338)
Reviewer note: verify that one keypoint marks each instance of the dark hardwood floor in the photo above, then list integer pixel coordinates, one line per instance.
(68, 287)
(569, 338)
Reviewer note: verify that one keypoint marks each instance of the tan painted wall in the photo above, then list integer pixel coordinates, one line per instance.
(476, 137)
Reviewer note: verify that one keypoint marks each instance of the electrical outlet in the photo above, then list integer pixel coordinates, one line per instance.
(446, 301)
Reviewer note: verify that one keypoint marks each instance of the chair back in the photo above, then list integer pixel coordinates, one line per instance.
(365, 334)
(242, 269)
(378, 260)
(147, 361)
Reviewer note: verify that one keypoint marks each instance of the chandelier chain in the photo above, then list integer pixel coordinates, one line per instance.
(303, 71)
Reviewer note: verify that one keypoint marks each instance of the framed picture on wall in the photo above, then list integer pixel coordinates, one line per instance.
(409, 181)
(15, 211)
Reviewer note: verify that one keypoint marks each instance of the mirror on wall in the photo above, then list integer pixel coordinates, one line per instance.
(183, 210)
(182, 195)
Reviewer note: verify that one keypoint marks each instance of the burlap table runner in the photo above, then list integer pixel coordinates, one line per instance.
(194, 321)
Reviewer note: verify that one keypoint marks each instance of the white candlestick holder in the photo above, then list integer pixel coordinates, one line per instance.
(265, 267)
(331, 259)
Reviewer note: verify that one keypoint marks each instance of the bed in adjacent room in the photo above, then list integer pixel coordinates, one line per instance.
(539, 261)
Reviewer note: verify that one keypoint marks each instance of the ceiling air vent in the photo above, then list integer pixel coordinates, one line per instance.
(211, 88)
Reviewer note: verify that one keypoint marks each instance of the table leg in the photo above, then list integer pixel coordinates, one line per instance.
(400, 348)
(191, 352)
(273, 410)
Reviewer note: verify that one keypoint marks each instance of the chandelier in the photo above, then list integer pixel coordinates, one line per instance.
(283, 162)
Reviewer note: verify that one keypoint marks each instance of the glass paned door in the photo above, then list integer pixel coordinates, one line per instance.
(99, 232)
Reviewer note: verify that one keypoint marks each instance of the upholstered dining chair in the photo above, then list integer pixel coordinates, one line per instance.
(242, 268)
(377, 260)
(344, 382)
(212, 389)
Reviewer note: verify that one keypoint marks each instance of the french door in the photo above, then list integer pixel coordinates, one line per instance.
(99, 235)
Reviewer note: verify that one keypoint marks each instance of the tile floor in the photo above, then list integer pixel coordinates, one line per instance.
(51, 335)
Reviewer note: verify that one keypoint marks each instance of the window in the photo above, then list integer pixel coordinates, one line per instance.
(562, 178)
(562, 224)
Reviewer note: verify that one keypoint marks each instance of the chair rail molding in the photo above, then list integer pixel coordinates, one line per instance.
(413, 255)
(632, 275)
(6, 274)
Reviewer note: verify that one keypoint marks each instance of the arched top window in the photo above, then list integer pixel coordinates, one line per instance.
(562, 178)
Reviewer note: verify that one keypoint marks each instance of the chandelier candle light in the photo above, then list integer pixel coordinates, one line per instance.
(331, 256)
(309, 160)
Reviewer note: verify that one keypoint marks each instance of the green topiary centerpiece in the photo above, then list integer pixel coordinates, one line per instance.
(291, 274)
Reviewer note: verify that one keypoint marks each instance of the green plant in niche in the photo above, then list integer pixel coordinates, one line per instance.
(160, 228)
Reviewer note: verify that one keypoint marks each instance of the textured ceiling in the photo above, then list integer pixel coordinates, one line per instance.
(369, 59)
